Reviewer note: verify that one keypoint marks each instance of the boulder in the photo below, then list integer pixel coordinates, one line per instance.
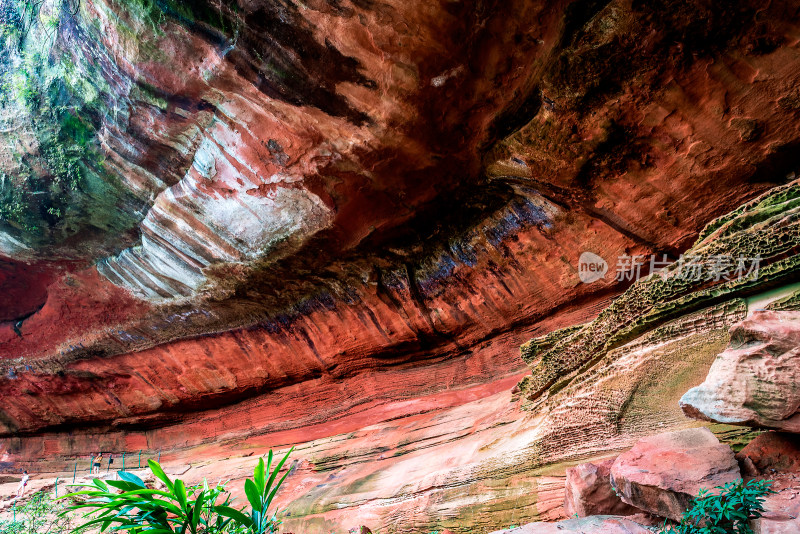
(589, 492)
(596, 524)
(772, 452)
(754, 382)
(661, 474)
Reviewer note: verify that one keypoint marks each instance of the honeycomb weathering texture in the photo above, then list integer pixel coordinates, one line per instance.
(766, 228)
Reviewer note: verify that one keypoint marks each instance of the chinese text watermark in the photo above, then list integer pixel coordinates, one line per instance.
(688, 267)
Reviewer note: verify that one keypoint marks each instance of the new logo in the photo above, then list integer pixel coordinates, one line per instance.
(591, 267)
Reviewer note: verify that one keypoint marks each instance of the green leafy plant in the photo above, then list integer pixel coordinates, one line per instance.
(128, 505)
(260, 493)
(726, 511)
(41, 514)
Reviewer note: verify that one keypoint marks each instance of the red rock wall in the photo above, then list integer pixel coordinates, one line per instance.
(463, 157)
(472, 320)
(624, 161)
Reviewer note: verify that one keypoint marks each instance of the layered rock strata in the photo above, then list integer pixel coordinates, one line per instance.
(529, 134)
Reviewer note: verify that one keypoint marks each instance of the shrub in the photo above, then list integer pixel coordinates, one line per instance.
(727, 511)
(128, 505)
(39, 515)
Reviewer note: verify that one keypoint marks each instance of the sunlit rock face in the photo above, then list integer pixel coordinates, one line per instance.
(285, 221)
(194, 224)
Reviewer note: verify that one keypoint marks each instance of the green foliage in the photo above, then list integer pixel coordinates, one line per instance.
(63, 166)
(40, 192)
(727, 511)
(128, 505)
(44, 183)
(13, 203)
(39, 515)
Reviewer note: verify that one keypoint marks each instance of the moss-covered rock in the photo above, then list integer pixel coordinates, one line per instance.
(54, 183)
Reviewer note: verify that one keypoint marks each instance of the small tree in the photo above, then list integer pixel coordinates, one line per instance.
(727, 511)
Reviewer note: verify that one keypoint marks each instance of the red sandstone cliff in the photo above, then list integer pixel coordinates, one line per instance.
(299, 220)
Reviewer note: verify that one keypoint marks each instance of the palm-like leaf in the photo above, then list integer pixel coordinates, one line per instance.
(129, 506)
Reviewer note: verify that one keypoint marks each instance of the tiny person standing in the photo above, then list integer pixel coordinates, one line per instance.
(22, 483)
(97, 462)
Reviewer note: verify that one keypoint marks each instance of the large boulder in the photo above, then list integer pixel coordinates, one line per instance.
(598, 524)
(661, 474)
(589, 492)
(755, 381)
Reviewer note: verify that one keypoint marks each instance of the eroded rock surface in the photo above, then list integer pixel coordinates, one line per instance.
(599, 385)
(589, 525)
(661, 474)
(781, 509)
(773, 452)
(341, 179)
(755, 380)
(253, 224)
